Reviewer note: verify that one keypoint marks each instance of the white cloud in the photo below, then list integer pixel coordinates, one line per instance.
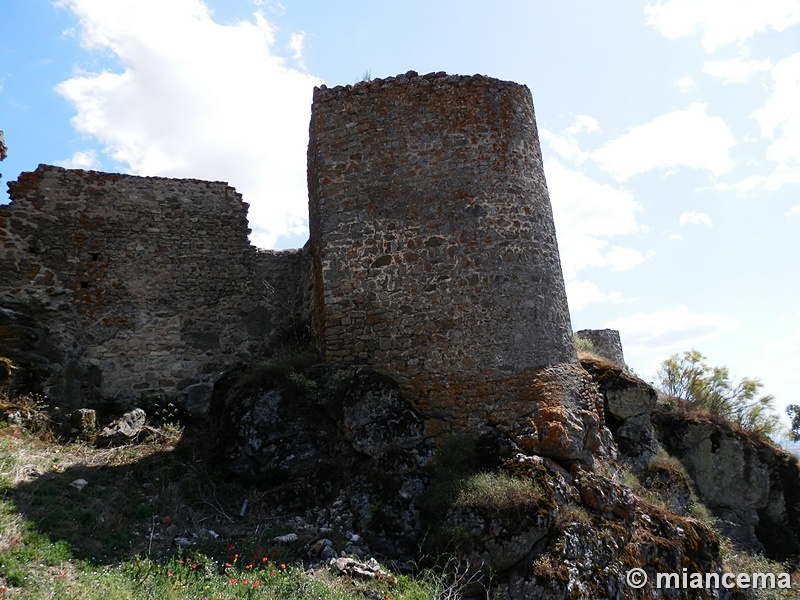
(685, 84)
(566, 146)
(198, 99)
(581, 293)
(721, 22)
(788, 345)
(685, 138)
(583, 123)
(676, 328)
(586, 213)
(735, 70)
(81, 160)
(795, 210)
(779, 120)
(296, 45)
(695, 218)
(622, 259)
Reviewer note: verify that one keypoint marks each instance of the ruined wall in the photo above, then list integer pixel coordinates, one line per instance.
(141, 285)
(434, 249)
(606, 344)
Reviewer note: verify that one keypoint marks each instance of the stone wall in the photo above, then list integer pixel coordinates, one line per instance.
(141, 285)
(432, 237)
(606, 344)
(432, 259)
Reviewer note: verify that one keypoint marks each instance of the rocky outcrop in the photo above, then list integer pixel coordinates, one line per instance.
(628, 404)
(751, 485)
(407, 486)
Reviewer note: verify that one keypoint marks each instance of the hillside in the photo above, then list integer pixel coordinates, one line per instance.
(488, 518)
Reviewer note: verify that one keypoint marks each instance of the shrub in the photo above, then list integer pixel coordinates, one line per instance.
(689, 378)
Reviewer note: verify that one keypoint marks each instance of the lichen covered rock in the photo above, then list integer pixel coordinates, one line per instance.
(415, 490)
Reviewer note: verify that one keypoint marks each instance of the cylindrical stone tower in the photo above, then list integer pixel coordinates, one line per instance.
(433, 242)
(606, 344)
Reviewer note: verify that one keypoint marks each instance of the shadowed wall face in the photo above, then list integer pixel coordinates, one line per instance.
(432, 236)
(140, 285)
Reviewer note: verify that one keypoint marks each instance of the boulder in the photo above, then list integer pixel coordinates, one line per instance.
(122, 431)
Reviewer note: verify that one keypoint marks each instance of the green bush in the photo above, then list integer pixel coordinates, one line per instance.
(690, 378)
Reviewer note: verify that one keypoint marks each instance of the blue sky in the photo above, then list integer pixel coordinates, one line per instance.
(670, 131)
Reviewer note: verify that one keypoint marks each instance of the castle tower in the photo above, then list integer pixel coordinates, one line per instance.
(432, 236)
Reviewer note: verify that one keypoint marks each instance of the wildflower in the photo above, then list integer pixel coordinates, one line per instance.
(194, 565)
(256, 582)
(248, 566)
(233, 581)
(272, 573)
(63, 575)
(228, 565)
(169, 574)
(10, 447)
(263, 559)
(228, 547)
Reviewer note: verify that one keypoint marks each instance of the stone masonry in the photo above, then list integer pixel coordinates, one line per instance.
(432, 237)
(606, 344)
(141, 285)
(432, 259)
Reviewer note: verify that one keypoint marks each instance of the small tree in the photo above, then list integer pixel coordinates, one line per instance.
(711, 388)
(793, 410)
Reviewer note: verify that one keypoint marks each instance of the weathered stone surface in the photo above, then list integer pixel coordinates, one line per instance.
(432, 238)
(125, 274)
(752, 486)
(323, 438)
(198, 399)
(606, 344)
(124, 430)
(83, 421)
(629, 402)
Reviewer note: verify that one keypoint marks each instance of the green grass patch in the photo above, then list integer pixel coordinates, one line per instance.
(114, 539)
(498, 492)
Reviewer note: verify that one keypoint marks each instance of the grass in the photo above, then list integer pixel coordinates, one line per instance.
(498, 492)
(115, 538)
(735, 561)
